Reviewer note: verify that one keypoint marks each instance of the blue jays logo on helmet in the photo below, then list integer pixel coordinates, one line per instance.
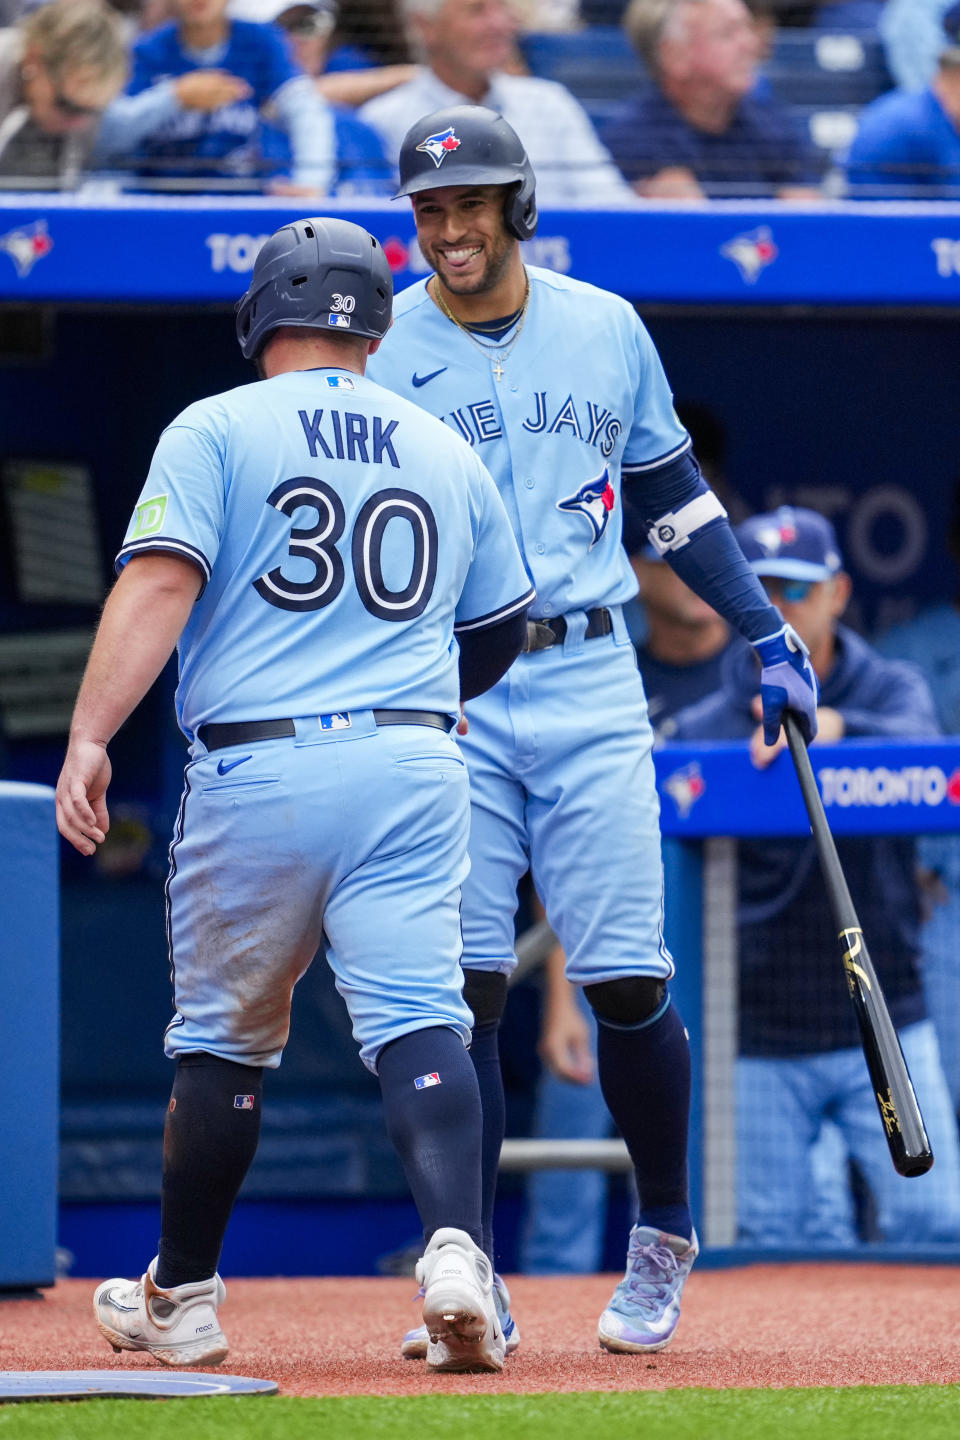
(594, 501)
(440, 145)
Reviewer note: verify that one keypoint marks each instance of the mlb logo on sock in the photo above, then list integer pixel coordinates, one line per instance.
(243, 1102)
(423, 1082)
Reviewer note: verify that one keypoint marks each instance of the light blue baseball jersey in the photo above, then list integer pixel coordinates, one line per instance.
(582, 402)
(342, 535)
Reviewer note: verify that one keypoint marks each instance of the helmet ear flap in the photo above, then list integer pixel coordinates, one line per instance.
(520, 211)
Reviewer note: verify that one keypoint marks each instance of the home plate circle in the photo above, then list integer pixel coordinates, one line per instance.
(133, 1384)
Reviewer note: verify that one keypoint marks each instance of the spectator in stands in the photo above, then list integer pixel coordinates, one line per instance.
(800, 1058)
(912, 35)
(216, 100)
(466, 46)
(59, 69)
(699, 129)
(932, 641)
(907, 144)
(347, 73)
(308, 25)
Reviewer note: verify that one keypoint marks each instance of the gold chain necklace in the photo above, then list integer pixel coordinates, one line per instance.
(486, 349)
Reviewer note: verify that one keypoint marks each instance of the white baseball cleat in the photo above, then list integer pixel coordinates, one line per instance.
(414, 1346)
(463, 1329)
(178, 1326)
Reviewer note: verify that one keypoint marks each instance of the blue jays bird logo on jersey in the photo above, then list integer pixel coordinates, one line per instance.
(439, 145)
(594, 501)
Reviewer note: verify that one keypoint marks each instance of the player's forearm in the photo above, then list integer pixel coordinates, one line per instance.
(715, 567)
(141, 623)
(486, 655)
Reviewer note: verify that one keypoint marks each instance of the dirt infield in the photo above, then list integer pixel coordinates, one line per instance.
(755, 1326)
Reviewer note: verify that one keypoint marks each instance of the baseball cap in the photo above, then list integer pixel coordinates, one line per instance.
(791, 542)
(265, 12)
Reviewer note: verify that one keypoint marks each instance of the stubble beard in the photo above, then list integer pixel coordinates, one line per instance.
(497, 264)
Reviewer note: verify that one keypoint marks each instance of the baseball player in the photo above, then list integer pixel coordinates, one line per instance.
(557, 385)
(312, 543)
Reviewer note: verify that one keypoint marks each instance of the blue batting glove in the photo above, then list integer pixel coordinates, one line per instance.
(787, 682)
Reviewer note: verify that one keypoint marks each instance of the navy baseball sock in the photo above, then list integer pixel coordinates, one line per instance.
(432, 1113)
(645, 1077)
(485, 1054)
(209, 1141)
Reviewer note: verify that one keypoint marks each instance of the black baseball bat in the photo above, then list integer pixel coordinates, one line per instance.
(902, 1121)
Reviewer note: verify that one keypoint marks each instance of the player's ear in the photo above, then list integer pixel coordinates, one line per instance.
(842, 589)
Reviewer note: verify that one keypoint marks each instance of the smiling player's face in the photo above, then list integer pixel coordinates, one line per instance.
(463, 237)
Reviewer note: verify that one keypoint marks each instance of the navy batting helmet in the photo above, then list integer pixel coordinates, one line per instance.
(320, 274)
(470, 145)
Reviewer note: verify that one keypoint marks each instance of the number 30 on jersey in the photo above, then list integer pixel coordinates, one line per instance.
(318, 545)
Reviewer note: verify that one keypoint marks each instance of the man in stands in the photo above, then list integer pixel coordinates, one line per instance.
(466, 46)
(700, 130)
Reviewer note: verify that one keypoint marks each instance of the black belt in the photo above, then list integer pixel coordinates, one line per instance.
(543, 634)
(247, 732)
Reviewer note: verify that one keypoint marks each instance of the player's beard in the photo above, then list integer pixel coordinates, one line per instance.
(498, 255)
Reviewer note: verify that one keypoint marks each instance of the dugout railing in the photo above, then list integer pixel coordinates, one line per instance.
(712, 796)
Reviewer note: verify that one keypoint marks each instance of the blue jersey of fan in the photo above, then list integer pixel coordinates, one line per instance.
(586, 405)
(342, 536)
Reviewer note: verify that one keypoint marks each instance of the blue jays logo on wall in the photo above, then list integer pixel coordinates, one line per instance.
(26, 245)
(594, 501)
(440, 145)
(685, 788)
(752, 252)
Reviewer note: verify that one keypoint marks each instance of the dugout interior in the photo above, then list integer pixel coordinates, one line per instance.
(851, 411)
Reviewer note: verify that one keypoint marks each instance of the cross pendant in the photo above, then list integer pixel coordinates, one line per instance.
(498, 369)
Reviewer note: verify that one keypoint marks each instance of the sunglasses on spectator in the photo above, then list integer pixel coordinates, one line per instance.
(306, 27)
(73, 111)
(794, 592)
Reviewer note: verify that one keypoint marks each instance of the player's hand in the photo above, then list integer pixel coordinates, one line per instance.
(82, 816)
(210, 89)
(787, 681)
(830, 729)
(463, 724)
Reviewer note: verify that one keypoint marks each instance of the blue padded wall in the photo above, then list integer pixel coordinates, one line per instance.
(29, 1034)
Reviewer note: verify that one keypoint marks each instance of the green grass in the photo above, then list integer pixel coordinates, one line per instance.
(865, 1413)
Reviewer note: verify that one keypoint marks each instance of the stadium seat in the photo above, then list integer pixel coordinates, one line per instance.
(826, 69)
(594, 64)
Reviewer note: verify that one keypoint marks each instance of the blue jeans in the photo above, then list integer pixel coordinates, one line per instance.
(941, 984)
(781, 1104)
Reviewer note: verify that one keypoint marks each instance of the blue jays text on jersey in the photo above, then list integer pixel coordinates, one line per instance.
(313, 531)
(557, 437)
